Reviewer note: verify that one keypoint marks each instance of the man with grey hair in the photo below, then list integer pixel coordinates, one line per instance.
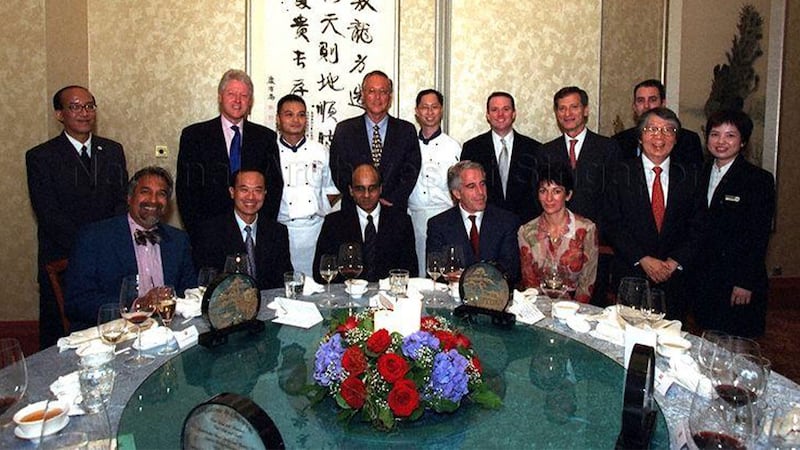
(134, 243)
(211, 151)
(484, 232)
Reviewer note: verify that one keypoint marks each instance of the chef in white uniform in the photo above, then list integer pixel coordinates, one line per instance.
(439, 151)
(308, 190)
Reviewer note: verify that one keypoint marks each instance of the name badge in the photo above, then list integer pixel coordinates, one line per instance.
(732, 198)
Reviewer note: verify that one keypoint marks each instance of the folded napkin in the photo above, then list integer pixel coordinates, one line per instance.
(152, 338)
(79, 338)
(578, 323)
(311, 287)
(529, 293)
(609, 327)
(524, 308)
(191, 304)
(381, 300)
(423, 284)
(67, 388)
(296, 313)
(686, 372)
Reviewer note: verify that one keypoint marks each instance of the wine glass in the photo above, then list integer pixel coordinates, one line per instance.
(654, 307)
(328, 268)
(735, 370)
(631, 295)
(716, 423)
(166, 304)
(434, 265)
(136, 305)
(15, 373)
(553, 281)
(706, 349)
(350, 263)
(110, 325)
(453, 263)
(205, 276)
(236, 264)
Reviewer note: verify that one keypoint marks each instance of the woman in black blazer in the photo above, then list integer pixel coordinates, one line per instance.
(731, 286)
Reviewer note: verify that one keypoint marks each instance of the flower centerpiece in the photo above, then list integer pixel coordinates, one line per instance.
(387, 377)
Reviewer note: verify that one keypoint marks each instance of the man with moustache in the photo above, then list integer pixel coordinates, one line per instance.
(439, 151)
(245, 231)
(134, 243)
(74, 179)
(482, 231)
(210, 152)
(376, 138)
(508, 157)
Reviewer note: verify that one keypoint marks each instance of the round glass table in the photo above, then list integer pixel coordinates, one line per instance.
(557, 393)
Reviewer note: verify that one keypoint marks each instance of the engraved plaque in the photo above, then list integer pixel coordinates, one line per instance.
(229, 421)
(231, 300)
(484, 285)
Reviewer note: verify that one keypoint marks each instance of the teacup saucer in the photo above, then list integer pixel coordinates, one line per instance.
(20, 434)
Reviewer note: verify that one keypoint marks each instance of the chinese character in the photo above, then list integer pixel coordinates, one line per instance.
(360, 64)
(300, 58)
(327, 110)
(301, 23)
(355, 97)
(328, 21)
(360, 32)
(361, 4)
(329, 81)
(329, 53)
(325, 137)
(299, 87)
(301, 4)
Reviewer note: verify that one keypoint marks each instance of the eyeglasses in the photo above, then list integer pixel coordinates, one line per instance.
(378, 92)
(77, 107)
(666, 131)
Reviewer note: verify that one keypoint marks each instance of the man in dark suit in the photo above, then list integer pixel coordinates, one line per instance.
(376, 138)
(508, 157)
(591, 157)
(651, 94)
(483, 232)
(384, 232)
(210, 152)
(135, 243)
(228, 233)
(73, 179)
(655, 213)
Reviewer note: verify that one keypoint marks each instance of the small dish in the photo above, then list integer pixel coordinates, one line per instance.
(32, 429)
(356, 287)
(565, 309)
(671, 346)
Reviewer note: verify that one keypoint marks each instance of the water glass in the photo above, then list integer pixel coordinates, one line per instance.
(293, 282)
(398, 282)
(96, 378)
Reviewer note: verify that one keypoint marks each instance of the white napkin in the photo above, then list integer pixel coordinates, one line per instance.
(311, 287)
(68, 390)
(524, 308)
(191, 304)
(152, 338)
(686, 372)
(529, 293)
(79, 338)
(579, 323)
(381, 300)
(383, 284)
(422, 284)
(296, 313)
(609, 327)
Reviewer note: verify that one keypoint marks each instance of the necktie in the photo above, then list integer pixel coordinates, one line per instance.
(370, 238)
(250, 247)
(142, 237)
(657, 203)
(474, 238)
(236, 150)
(502, 164)
(573, 160)
(377, 146)
(86, 160)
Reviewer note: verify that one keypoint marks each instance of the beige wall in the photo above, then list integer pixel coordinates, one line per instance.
(154, 66)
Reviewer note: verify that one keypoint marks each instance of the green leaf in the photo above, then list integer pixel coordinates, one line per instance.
(386, 418)
(443, 405)
(486, 398)
(417, 413)
(314, 393)
(341, 402)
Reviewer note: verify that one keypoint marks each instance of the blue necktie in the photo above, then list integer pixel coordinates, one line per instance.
(236, 150)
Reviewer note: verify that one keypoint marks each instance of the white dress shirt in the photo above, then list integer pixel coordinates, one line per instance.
(716, 176)
(649, 176)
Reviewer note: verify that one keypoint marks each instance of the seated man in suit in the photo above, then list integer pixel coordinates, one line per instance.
(508, 157)
(211, 151)
(484, 232)
(384, 232)
(647, 95)
(376, 138)
(267, 252)
(134, 243)
(654, 212)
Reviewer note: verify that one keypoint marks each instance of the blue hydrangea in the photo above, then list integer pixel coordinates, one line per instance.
(449, 376)
(328, 361)
(413, 343)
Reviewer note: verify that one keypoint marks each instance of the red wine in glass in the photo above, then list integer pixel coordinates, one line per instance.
(714, 440)
(735, 395)
(5, 403)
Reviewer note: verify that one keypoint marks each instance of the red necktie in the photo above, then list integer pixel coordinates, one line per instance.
(473, 238)
(573, 161)
(657, 203)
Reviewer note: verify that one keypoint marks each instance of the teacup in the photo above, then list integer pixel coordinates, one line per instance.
(565, 309)
(356, 287)
(31, 418)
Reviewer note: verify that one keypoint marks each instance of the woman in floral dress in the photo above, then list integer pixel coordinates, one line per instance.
(559, 239)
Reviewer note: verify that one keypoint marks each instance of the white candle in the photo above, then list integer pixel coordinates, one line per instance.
(407, 315)
(383, 320)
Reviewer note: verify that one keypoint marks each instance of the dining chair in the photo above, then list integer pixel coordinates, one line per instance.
(55, 271)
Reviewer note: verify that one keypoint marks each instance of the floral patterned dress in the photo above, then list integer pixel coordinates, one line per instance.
(575, 251)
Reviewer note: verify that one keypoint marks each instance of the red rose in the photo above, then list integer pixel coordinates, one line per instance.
(462, 341)
(354, 392)
(348, 325)
(429, 323)
(446, 339)
(354, 361)
(379, 341)
(476, 363)
(403, 398)
(392, 367)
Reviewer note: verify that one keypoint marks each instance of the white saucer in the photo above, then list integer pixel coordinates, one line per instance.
(18, 432)
(347, 290)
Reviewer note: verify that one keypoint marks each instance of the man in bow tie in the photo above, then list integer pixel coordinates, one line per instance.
(74, 179)
(137, 242)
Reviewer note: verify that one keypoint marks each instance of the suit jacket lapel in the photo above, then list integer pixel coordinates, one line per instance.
(730, 175)
(642, 193)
